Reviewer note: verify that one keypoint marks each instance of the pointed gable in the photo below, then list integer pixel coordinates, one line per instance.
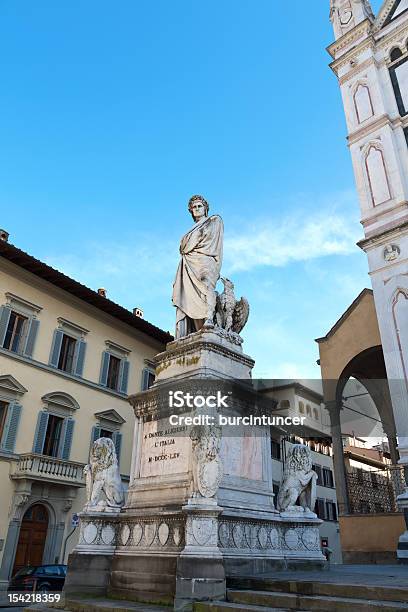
(10, 385)
(391, 9)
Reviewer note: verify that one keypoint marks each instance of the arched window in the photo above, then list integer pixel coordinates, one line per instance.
(308, 410)
(395, 54)
(285, 404)
(377, 174)
(301, 408)
(315, 414)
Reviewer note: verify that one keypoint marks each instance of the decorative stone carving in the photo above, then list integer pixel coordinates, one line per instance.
(391, 252)
(230, 313)
(103, 483)
(207, 464)
(299, 483)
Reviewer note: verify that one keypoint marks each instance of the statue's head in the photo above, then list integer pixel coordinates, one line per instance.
(198, 207)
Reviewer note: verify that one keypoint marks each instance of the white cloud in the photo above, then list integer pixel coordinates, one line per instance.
(300, 236)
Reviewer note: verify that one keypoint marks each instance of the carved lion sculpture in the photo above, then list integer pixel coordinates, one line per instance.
(299, 482)
(103, 483)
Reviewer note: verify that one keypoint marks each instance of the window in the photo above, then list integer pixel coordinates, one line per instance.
(148, 378)
(53, 435)
(308, 410)
(68, 350)
(105, 433)
(328, 478)
(301, 408)
(315, 414)
(15, 332)
(331, 511)
(18, 325)
(66, 357)
(395, 54)
(320, 509)
(318, 470)
(275, 450)
(114, 372)
(285, 404)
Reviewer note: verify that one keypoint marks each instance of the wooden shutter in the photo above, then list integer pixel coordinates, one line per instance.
(117, 440)
(123, 376)
(145, 379)
(32, 330)
(40, 432)
(66, 438)
(11, 427)
(103, 378)
(79, 357)
(56, 348)
(5, 313)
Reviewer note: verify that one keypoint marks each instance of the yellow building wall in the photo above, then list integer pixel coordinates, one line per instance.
(370, 537)
(56, 303)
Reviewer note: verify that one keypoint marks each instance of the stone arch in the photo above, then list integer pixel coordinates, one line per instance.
(60, 400)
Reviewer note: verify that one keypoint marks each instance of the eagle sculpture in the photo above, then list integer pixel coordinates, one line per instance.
(231, 314)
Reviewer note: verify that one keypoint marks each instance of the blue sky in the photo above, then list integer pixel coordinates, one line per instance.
(113, 113)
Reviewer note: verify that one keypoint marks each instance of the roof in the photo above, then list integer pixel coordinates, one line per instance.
(298, 387)
(345, 315)
(73, 287)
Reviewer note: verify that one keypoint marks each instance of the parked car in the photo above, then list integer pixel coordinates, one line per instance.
(40, 578)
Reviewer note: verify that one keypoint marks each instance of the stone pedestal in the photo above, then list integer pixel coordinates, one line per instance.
(89, 565)
(176, 547)
(200, 569)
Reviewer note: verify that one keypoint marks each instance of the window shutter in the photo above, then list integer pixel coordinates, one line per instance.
(66, 438)
(103, 378)
(124, 376)
(4, 321)
(145, 379)
(11, 427)
(56, 348)
(33, 325)
(79, 357)
(40, 431)
(117, 440)
(95, 434)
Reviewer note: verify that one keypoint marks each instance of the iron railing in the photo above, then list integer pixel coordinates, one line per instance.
(375, 492)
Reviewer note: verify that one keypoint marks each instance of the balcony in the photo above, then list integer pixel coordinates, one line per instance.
(48, 469)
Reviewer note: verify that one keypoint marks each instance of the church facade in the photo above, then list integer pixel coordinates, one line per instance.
(370, 60)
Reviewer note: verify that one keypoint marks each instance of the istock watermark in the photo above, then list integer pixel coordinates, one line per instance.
(179, 399)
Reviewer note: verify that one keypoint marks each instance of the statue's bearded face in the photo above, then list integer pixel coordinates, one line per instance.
(198, 210)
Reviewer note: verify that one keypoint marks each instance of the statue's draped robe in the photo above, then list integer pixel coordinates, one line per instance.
(199, 268)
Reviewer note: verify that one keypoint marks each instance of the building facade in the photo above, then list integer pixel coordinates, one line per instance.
(69, 357)
(370, 60)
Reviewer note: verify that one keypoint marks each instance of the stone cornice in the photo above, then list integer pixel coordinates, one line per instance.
(352, 54)
(199, 345)
(362, 28)
(371, 61)
(367, 129)
(393, 36)
(382, 236)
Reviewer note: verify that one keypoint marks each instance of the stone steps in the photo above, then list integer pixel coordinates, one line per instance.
(224, 606)
(324, 603)
(322, 588)
(98, 605)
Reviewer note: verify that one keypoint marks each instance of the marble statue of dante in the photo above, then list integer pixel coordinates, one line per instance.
(199, 270)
